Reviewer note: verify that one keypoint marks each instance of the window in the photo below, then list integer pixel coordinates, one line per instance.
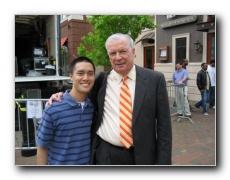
(211, 18)
(62, 17)
(211, 47)
(180, 49)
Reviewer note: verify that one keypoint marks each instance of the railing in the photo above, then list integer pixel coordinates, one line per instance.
(28, 122)
(25, 135)
(176, 96)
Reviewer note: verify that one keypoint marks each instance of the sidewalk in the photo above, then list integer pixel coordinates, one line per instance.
(193, 144)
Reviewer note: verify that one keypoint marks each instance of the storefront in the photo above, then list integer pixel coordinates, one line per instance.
(38, 72)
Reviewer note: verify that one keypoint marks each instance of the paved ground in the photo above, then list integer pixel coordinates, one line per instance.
(193, 144)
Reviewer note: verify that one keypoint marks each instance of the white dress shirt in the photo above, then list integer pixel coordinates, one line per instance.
(110, 126)
(212, 74)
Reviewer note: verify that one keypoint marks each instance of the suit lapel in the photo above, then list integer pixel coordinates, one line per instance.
(101, 98)
(141, 85)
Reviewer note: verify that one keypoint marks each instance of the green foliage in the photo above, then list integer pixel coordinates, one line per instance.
(106, 25)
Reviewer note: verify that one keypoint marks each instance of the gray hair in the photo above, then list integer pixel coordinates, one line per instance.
(117, 36)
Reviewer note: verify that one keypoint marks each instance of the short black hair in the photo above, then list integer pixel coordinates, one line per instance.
(203, 64)
(212, 61)
(78, 60)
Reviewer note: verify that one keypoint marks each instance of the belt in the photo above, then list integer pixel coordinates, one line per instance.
(130, 149)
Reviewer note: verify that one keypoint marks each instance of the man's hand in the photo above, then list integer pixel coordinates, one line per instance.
(54, 97)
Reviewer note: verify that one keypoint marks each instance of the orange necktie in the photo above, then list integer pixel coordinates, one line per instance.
(126, 137)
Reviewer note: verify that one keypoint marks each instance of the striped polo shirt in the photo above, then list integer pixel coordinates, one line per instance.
(65, 130)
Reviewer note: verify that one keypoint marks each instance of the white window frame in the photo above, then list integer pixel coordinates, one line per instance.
(174, 37)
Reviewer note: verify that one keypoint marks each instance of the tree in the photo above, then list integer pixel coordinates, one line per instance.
(106, 25)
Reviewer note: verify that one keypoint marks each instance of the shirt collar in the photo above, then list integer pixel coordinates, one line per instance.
(204, 70)
(72, 102)
(180, 70)
(132, 75)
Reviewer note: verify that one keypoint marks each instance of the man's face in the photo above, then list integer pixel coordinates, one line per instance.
(178, 66)
(121, 55)
(205, 67)
(83, 77)
(186, 62)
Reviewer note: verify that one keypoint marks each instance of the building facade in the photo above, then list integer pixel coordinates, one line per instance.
(73, 28)
(178, 37)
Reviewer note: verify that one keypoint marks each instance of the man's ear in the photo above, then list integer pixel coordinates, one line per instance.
(71, 76)
(133, 51)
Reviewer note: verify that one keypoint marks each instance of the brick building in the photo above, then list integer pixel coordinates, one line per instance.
(73, 28)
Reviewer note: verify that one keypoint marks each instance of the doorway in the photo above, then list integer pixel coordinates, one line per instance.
(149, 57)
(211, 47)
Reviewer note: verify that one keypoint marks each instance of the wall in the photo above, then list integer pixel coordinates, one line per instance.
(74, 27)
(164, 36)
(50, 33)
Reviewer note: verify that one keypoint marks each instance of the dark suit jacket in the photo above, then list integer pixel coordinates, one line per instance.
(152, 134)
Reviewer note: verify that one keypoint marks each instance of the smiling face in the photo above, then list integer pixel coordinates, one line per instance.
(82, 78)
(121, 55)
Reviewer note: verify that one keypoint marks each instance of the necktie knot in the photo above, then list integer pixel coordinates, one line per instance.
(124, 79)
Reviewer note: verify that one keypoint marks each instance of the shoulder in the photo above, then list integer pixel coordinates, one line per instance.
(148, 75)
(148, 72)
(56, 106)
(185, 70)
(200, 72)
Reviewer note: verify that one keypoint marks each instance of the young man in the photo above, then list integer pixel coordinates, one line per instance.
(63, 136)
(150, 138)
(203, 84)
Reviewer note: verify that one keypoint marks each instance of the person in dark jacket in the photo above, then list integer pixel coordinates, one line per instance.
(203, 84)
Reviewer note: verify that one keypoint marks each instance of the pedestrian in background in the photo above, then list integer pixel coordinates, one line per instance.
(180, 76)
(203, 84)
(185, 63)
(212, 73)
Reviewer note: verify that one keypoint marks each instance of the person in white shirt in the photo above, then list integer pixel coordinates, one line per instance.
(212, 73)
